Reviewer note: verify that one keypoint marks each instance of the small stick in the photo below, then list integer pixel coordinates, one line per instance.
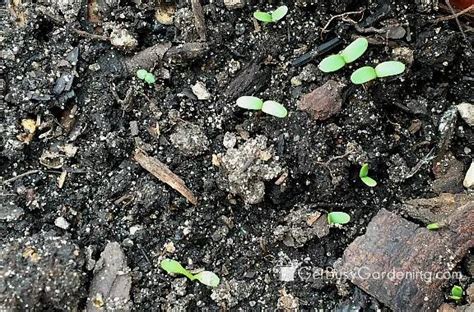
(338, 16)
(448, 3)
(164, 174)
(450, 17)
(199, 21)
(21, 176)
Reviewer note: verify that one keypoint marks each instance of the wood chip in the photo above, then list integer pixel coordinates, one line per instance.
(199, 21)
(164, 174)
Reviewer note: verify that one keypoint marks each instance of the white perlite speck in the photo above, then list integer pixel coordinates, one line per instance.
(469, 178)
(62, 223)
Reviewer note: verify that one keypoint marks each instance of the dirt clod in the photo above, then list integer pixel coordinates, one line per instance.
(323, 102)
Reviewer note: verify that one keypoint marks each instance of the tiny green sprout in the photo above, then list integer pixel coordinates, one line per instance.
(141, 73)
(363, 75)
(205, 277)
(364, 171)
(269, 107)
(271, 17)
(385, 69)
(250, 102)
(275, 109)
(146, 76)
(150, 78)
(433, 226)
(456, 293)
(337, 217)
(351, 53)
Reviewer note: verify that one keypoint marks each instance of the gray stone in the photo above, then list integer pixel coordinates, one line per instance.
(466, 111)
(234, 4)
(110, 288)
(469, 178)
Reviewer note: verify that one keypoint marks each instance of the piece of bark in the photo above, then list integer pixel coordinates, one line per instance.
(323, 102)
(110, 288)
(436, 209)
(161, 171)
(393, 244)
(186, 52)
(199, 21)
(250, 80)
(147, 58)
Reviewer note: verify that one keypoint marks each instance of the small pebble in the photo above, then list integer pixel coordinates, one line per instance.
(62, 223)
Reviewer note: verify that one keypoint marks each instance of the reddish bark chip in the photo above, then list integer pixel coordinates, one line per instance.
(402, 264)
(323, 102)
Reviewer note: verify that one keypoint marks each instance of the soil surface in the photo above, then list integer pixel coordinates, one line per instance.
(72, 116)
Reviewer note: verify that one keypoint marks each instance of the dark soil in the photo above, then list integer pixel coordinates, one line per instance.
(106, 193)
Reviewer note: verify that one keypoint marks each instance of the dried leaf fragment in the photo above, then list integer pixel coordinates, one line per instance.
(164, 174)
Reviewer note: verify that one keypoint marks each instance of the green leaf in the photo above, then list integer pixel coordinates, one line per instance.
(150, 78)
(355, 50)
(141, 73)
(208, 278)
(456, 292)
(279, 13)
(433, 226)
(364, 170)
(390, 68)
(369, 181)
(275, 109)
(337, 217)
(250, 102)
(174, 267)
(332, 63)
(363, 75)
(263, 16)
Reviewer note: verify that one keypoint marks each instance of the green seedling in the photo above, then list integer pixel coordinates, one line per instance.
(205, 277)
(385, 69)
(271, 17)
(146, 76)
(351, 53)
(275, 109)
(250, 102)
(364, 171)
(337, 217)
(269, 107)
(456, 293)
(433, 226)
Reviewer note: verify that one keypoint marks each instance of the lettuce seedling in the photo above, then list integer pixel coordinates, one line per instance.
(433, 226)
(205, 277)
(385, 69)
(269, 107)
(146, 76)
(351, 53)
(456, 293)
(271, 17)
(275, 109)
(337, 217)
(250, 102)
(364, 171)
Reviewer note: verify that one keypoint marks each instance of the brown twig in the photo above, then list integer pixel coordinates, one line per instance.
(448, 3)
(21, 176)
(343, 15)
(164, 174)
(199, 21)
(450, 17)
